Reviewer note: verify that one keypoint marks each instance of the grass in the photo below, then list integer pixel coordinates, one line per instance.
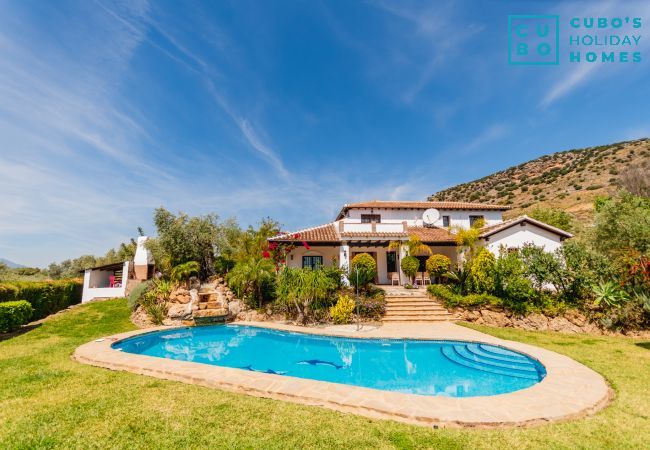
(47, 400)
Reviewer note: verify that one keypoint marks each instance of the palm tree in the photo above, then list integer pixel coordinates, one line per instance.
(249, 278)
(184, 271)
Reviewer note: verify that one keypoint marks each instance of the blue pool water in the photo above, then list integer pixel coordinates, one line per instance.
(450, 368)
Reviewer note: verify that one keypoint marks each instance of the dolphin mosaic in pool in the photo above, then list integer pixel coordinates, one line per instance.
(447, 368)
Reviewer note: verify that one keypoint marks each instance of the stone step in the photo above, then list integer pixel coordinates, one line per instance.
(411, 301)
(402, 319)
(417, 314)
(210, 312)
(416, 308)
(421, 293)
(211, 305)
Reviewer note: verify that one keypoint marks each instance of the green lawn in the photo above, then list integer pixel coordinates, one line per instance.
(48, 400)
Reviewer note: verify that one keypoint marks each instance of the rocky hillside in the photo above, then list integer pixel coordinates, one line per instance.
(568, 180)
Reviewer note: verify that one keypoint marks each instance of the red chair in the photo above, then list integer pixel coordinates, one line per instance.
(111, 281)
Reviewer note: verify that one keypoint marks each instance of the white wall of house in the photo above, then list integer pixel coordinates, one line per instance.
(414, 216)
(517, 236)
(101, 278)
(329, 254)
(343, 254)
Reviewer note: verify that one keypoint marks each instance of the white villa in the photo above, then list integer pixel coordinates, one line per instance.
(370, 227)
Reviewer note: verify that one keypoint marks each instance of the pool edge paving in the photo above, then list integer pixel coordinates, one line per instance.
(570, 390)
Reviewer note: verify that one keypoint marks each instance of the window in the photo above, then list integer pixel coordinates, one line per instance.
(423, 263)
(446, 221)
(370, 218)
(473, 219)
(313, 262)
(391, 262)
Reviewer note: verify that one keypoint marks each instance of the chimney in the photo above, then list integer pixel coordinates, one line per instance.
(143, 260)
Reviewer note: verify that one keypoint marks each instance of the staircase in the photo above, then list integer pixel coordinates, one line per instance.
(412, 305)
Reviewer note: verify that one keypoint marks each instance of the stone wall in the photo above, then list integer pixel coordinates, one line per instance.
(571, 321)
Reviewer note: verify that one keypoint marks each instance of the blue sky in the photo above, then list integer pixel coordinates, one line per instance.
(275, 108)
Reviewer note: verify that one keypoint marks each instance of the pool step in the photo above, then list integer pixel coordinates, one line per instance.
(464, 356)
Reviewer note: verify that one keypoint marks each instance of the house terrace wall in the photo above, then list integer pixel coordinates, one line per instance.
(414, 216)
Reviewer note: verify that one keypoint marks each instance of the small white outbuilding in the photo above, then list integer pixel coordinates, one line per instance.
(117, 279)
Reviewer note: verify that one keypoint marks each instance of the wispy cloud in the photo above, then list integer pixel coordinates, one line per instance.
(437, 37)
(573, 76)
(490, 134)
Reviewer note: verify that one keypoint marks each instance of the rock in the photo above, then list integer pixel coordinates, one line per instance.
(194, 296)
(194, 283)
(140, 318)
(180, 296)
(495, 318)
(211, 313)
(179, 311)
(234, 308)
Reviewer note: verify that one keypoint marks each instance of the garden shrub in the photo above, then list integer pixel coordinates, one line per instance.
(366, 267)
(154, 301)
(135, 297)
(410, 265)
(14, 314)
(452, 300)
(306, 290)
(438, 265)
(46, 297)
(342, 311)
(482, 272)
(372, 304)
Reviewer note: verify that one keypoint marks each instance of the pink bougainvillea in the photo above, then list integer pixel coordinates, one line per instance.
(278, 251)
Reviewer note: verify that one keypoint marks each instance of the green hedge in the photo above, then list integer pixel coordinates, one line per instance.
(451, 299)
(14, 314)
(46, 297)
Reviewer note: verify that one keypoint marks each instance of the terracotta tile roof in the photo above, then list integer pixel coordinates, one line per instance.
(422, 205)
(432, 234)
(492, 229)
(373, 235)
(321, 233)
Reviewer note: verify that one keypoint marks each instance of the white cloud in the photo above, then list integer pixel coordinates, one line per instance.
(492, 133)
(571, 77)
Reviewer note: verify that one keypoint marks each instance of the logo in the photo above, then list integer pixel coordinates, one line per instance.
(533, 39)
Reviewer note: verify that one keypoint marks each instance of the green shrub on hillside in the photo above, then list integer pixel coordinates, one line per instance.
(14, 314)
(46, 297)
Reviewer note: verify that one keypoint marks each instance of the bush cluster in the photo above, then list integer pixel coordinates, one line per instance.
(342, 312)
(14, 314)
(46, 297)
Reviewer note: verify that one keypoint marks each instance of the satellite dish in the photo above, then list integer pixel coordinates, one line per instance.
(431, 216)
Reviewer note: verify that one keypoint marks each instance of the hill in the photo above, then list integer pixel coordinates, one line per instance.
(569, 180)
(10, 264)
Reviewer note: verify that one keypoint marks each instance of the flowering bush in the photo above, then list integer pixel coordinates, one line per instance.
(342, 311)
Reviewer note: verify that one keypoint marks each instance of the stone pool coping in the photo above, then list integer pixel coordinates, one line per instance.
(570, 390)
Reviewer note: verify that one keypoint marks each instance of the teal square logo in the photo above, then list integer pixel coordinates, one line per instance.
(533, 39)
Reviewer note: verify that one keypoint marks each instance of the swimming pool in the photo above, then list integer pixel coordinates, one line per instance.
(425, 367)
